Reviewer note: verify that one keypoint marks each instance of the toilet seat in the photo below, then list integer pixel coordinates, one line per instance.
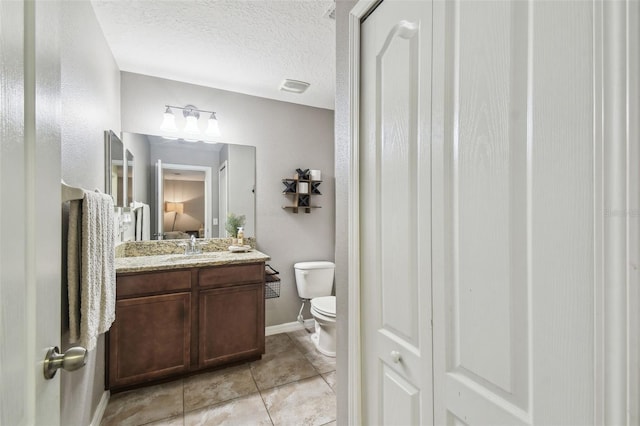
(325, 305)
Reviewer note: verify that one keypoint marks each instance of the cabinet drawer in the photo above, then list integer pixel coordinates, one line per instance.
(224, 276)
(155, 282)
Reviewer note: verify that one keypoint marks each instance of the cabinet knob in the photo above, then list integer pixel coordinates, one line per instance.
(396, 357)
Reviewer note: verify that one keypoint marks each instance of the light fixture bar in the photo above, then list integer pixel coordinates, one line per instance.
(189, 108)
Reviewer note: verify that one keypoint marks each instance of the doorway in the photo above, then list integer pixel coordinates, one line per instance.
(185, 201)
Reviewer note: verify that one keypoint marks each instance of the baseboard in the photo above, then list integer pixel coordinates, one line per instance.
(287, 327)
(102, 405)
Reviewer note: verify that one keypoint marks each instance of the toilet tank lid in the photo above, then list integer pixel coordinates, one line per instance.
(314, 265)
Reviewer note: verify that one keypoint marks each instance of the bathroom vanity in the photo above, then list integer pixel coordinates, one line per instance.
(177, 314)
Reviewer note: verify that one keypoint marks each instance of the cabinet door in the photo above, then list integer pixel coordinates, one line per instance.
(149, 339)
(231, 324)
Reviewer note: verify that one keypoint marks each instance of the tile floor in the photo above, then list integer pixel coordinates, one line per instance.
(293, 384)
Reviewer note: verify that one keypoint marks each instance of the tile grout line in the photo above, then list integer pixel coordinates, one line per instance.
(328, 384)
(183, 386)
(185, 411)
(261, 397)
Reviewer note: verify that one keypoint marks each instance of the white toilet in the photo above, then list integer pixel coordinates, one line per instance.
(315, 281)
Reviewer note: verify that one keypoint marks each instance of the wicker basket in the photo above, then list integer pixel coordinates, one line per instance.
(271, 282)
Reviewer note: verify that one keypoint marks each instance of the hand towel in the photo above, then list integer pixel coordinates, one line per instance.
(143, 221)
(91, 268)
(146, 222)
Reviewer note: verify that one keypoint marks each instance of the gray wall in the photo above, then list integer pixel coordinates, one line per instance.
(286, 136)
(90, 105)
(139, 147)
(342, 158)
(242, 180)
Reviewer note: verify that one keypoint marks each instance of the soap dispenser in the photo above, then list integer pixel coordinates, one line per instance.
(240, 236)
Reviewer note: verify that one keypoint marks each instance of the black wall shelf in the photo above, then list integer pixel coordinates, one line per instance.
(301, 200)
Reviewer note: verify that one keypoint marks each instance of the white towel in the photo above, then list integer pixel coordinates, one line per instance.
(91, 268)
(143, 221)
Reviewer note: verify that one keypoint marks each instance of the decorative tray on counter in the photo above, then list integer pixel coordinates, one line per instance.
(239, 249)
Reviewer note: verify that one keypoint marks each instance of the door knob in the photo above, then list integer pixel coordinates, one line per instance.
(73, 359)
(396, 357)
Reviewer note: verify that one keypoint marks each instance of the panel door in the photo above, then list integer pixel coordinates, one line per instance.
(513, 213)
(396, 214)
(30, 210)
(231, 324)
(150, 339)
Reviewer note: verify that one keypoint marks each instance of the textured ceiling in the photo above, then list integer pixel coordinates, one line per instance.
(246, 46)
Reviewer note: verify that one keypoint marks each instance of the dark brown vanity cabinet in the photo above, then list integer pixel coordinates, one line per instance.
(170, 323)
(231, 324)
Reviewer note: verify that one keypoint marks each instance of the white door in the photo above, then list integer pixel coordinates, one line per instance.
(223, 195)
(159, 213)
(30, 211)
(481, 200)
(515, 206)
(396, 214)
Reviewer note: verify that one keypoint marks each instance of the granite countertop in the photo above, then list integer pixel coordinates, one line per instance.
(163, 255)
(177, 261)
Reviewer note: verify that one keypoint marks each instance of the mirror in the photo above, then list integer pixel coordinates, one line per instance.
(191, 186)
(114, 167)
(129, 169)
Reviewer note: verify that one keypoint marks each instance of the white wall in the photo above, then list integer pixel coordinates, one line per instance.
(90, 105)
(286, 136)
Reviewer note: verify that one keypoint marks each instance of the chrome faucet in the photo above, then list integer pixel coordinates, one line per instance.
(192, 247)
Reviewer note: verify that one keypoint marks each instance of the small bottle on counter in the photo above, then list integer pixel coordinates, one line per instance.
(240, 236)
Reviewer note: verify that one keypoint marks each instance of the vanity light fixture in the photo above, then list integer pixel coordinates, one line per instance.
(169, 121)
(191, 115)
(212, 128)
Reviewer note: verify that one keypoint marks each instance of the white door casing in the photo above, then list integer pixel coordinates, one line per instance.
(159, 187)
(223, 195)
(396, 208)
(30, 216)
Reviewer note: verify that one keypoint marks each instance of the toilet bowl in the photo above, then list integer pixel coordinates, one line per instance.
(314, 281)
(323, 310)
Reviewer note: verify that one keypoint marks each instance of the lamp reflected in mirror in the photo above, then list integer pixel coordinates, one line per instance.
(178, 208)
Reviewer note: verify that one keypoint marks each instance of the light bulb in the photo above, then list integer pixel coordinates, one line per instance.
(212, 128)
(169, 121)
(192, 125)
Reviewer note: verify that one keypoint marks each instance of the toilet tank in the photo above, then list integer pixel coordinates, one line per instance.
(314, 279)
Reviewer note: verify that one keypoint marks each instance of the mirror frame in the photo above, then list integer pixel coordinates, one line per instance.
(109, 139)
(128, 173)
